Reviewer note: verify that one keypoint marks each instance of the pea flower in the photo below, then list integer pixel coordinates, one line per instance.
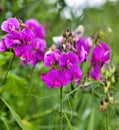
(83, 46)
(10, 24)
(36, 27)
(51, 57)
(68, 60)
(2, 45)
(64, 64)
(55, 77)
(100, 55)
(25, 39)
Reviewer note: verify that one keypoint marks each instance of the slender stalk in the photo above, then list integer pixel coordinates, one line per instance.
(61, 108)
(106, 118)
(29, 100)
(9, 67)
(72, 88)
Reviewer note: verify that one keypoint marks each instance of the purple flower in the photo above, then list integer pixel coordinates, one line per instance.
(10, 42)
(100, 55)
(36, 27)
(27, 35)
(51, 57)
(36, 56)
(24, 58)
(32, 50)
(82, 54)
(38, 43)
(68, 60)
(14, 34)
(74, 73)
(96, 72)
(26, 40)
(55, 78)
(83, 46)
(67, 70)
(10, 24)
(2, 45)
(20, 49)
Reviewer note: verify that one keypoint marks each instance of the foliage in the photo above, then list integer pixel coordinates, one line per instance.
(26, 103)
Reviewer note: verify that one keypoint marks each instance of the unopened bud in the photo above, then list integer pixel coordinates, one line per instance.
(102, 35)
(113, 79)
(111, 99)
(112, 69)
(106, 89)
(63, 41)
(103, 105)
(68, 46)
(108, 83)
(64, 35)
(106, 99)
(101, 102)
(109, 30)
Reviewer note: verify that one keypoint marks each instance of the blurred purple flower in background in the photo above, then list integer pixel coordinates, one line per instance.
(10, 24)
(83, 46)
(100, 55)
(36, 27)
(26, 40)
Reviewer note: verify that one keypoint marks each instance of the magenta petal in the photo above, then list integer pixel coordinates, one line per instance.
(96, 73)
(101, 54)
(49, 58)
(10, 42)
(48, 79)
(2, 45)
(55, 78)
(77, 73)
(38, 44)
(27, 35)
(36, 27)
(14, 22)
(15, 34)
(4, 26)
(68, 60)
(10, 24)
(83, 46)
(82, 54)
(20, 49)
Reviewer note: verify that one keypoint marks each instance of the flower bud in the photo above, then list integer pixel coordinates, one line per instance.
(111, 99)
(109, 30)
(113, 79)
(103, 105)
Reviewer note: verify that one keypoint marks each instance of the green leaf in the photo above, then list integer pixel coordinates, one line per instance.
(5, 122)
(91, 121)
(68, 121)
(15, 115)
(15, 85)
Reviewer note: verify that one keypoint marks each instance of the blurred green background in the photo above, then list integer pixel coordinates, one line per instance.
(25, 93)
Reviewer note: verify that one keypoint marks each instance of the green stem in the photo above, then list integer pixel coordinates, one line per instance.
(9, 67)
(28, 103)
(61, 108)
(106, 118)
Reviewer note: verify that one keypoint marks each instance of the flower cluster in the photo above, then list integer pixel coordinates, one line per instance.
(26, 40)
(64, 68)
(65, 61)
(70, 51)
